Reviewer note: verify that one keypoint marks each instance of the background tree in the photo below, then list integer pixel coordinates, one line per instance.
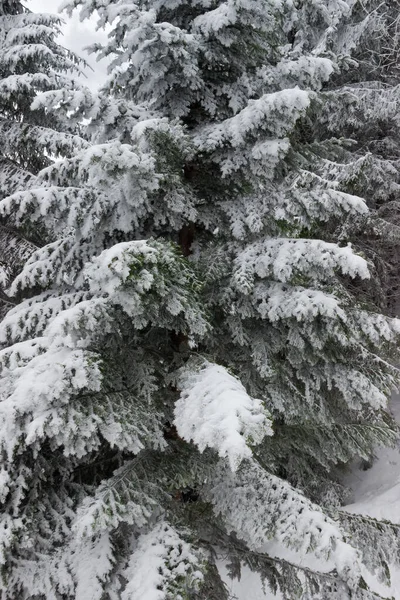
(30, 62)
(359, 111)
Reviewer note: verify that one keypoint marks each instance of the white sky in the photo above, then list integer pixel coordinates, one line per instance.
(77, 35)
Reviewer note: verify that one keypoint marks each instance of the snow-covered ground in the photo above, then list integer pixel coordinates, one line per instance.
(248, 588)
(376, 493)
(377, 490)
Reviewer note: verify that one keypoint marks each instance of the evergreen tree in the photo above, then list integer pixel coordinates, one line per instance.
(192, 357)
(30, 61)
(361, 105)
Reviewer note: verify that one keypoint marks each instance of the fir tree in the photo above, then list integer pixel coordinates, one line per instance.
(30, 61)
(362, 106)
(354, 138)
(191, 358)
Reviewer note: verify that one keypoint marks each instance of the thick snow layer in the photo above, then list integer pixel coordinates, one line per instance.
(215, 411)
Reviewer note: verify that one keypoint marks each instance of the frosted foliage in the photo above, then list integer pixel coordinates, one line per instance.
(38, 577)
(33, 316)
(54, 142)
(215, 411)
(154, 275)
(262, 113)
(275, 114)
(116, 266)
(47, 266)
(135, 276)
(316, 197)
(377, 327)
(283, 259)
(260, 507)
(49, 384)
(231, 12)
(83, 208)
(162, 566)
(104, 188)
(152, 62)
(30, 62)
(307, 199)
(15, 250)
(356, 387)
(41, 376)
(308, 71)
(37, 383)
(8, 529)
(108, 509)
(167, 62)
(276, 301)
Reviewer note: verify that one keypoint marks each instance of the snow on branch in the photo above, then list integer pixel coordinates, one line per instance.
(142, 276)
(215, 411)
(276, 112)
(262, 508)
(283, 259)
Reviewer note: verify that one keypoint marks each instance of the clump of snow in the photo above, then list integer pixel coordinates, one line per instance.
(215, 411)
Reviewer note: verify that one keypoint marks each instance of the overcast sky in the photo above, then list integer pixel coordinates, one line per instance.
(76, 36)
